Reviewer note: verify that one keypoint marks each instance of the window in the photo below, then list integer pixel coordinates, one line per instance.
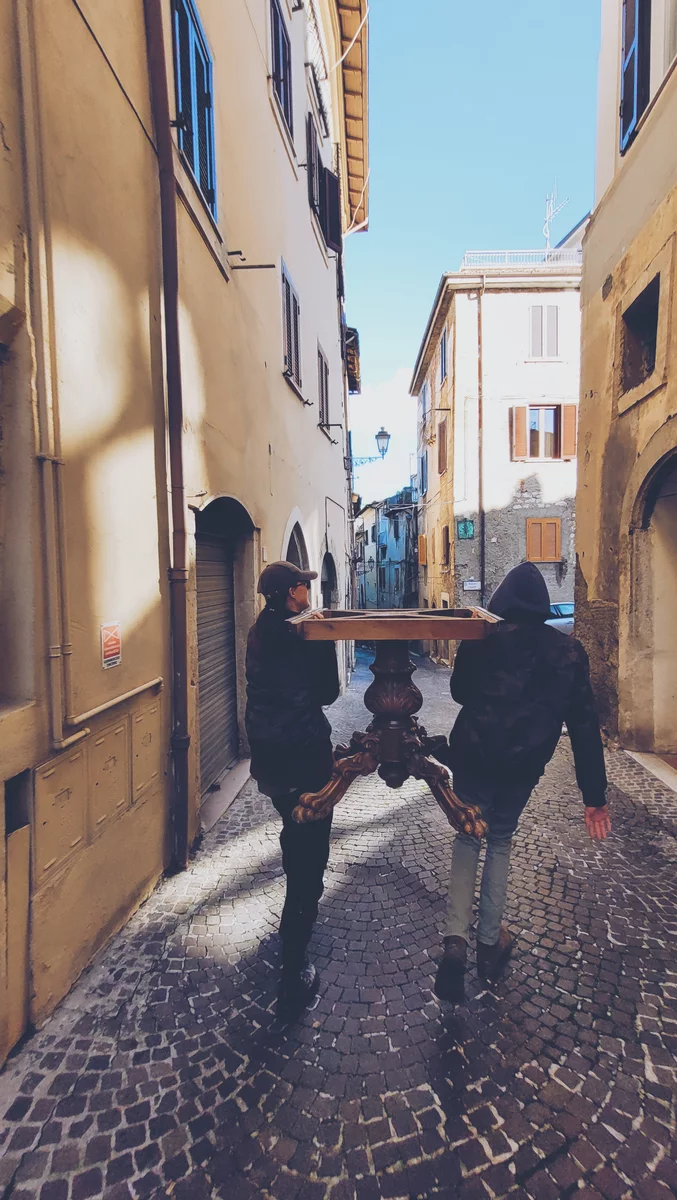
(640, 337)
(544, 432)
(323, 387)
(382, 551)
(445, 546)
(424, 472)
(442, 446)
(422, 550)
(544, 331)
(373, 533)
(194, 106)
(314, 166)
(382, 579)
(443, 357)
(396, 528)
(397, 579)
(291, 313)
(635, 66)
(544, 539)
(423, 399)
(281, 63)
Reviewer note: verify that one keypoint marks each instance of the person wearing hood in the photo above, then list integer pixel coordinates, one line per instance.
(517, 687)
(289, 681)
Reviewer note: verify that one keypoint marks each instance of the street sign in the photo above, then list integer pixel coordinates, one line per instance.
(472, 585)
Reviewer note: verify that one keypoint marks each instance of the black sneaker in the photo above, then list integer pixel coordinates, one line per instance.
(450, 979)
(297, 991)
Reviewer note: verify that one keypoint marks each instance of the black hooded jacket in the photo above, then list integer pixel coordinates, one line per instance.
(288, 682)
(517, 687)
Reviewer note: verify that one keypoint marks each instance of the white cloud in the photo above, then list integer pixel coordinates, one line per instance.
(388, 404)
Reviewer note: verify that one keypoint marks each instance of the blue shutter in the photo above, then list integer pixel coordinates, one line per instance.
(635, 66)
(195, 114)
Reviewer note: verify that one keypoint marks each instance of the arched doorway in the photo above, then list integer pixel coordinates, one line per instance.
(329, 582)
(223, 531)
(664, 546)
(296, 548)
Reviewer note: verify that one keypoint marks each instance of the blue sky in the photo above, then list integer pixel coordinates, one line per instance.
(475, 107)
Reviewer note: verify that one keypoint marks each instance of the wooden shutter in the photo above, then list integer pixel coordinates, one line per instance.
(442, 446)
(635, 66)
(519, 433)
(184, 80)
(536, 340)
(422, 551)
(432, 545)
(330, 215)
(569, 430)
(296, 336)
(445, 547)
(287, 319)
(552, 331)
(313, 165)
(544, 539)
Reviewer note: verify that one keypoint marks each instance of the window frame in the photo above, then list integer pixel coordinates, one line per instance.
(281, 65)
(323, 387)
(291, 332)
(201, 117)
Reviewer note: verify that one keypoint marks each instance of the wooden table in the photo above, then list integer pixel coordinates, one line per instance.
(394, 744)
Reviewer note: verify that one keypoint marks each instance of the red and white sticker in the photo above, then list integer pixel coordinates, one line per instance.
(111, 645)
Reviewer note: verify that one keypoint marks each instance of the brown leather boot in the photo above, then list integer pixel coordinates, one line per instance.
(492, 960)
(450, 978)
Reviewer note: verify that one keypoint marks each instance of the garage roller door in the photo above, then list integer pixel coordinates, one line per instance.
(217, 698)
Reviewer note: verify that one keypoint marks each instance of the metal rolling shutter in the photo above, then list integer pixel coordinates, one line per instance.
(216, 657)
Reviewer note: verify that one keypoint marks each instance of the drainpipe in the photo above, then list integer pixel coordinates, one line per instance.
(38, 325)
(480, 446)
(178, 573)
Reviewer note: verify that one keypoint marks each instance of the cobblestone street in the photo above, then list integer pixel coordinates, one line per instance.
(162, 1073)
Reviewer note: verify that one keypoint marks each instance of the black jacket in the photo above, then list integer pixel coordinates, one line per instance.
(517, 687)
(288, 682)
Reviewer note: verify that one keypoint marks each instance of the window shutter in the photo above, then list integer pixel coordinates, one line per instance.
(552, 331)
(184, 80)
(312, 164)
(551, 540)
(432, 545)
(569, 430)
(534, 540)
(635, 65)
(288, 339)
(330, 215)
(536, 346)
(422, 551)
(296, 334)
(445, 546)
(519, 433)
(442, 446)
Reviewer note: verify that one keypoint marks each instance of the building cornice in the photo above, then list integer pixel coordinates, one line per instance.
(354, 41)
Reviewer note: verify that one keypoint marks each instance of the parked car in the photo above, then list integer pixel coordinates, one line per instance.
(562, 617)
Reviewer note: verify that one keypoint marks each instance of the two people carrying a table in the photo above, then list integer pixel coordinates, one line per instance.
(516, 688)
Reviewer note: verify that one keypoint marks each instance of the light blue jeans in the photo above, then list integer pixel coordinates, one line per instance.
(501, 805)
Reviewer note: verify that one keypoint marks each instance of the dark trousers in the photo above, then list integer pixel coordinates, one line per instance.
(305, 853)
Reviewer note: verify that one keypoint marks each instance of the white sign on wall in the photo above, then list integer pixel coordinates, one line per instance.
(472, 585)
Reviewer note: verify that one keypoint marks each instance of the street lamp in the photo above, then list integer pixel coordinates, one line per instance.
(382, 443)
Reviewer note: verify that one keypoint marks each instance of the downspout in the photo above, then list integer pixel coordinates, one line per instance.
(38, 325)
(178, 573)
(480, 445)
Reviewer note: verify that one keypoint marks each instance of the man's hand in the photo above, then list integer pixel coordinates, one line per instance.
(598, 822)
(316, 616)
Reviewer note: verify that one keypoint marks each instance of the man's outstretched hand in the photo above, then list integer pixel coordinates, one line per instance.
(598, 822)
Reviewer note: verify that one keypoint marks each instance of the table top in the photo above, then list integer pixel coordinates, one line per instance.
(394, 625)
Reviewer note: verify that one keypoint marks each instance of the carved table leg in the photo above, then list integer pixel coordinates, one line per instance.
(394, 744)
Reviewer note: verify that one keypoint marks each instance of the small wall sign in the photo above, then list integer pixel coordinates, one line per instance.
(466, 530)
(111, 645)
(472, 585)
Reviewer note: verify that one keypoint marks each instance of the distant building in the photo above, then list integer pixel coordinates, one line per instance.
(627, 484)
(497, 379)
(386, 544)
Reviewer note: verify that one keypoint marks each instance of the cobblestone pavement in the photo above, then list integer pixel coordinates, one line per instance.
(162, 1073)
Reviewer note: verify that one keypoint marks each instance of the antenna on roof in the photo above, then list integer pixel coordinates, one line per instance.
(552, 208)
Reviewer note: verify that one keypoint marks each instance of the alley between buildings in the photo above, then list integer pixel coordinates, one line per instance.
(163, 1074)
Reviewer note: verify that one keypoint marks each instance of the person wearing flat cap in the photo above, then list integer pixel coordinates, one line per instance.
(289, 682)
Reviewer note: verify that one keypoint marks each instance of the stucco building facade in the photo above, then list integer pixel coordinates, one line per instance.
(175, 182)
(627, 485)
(496, 383)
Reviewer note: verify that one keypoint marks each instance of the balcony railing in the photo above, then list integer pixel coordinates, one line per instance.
(474, 260)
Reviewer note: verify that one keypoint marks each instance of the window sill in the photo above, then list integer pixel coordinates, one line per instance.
(296, 390)
(327, 433)
(544, 359)
(189, 193)
(281, 122)
(544, 461)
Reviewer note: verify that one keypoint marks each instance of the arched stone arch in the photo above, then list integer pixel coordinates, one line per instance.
(647, 635)
(297, 551)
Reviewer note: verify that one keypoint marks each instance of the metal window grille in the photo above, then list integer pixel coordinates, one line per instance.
(281, 63)
(194, 101)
